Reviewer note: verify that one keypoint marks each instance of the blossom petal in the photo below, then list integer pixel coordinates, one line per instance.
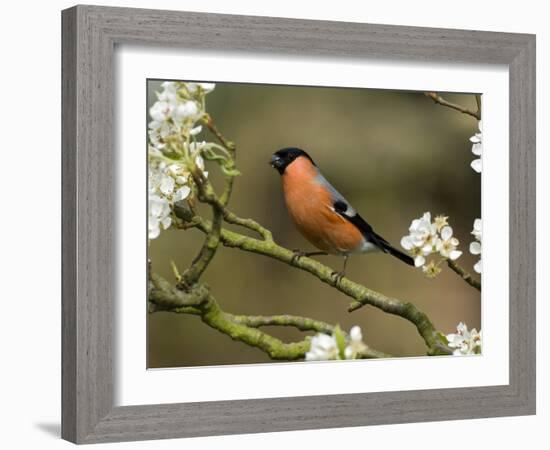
(476, 138)
(207, 87)
(406, 243)
(477, 266)
(477, 149)
(476, 165)
(475, 248)
(166, 222)
(182, 193)
(455, 254)
(446, 233)
(355, 333)
(167, 185)
(419, 261)
(196, 130)
(154, 233)
(348, 352)
(477, 224)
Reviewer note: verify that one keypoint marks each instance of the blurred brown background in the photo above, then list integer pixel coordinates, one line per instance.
(392, 154)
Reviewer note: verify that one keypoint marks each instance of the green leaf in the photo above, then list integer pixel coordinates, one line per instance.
(175, 271)
(211, 155)
(442, 338)
(230, 172)
(340, 341)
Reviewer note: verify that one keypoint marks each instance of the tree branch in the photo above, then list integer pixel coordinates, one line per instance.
(301, 323)
(440, 100)
(200, 302)
(464, 275)
(192, 274)
(248, 223)
(361, 294)
(206, 193)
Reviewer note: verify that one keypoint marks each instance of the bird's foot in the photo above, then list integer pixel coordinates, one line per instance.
(299, 253)
(337, 276)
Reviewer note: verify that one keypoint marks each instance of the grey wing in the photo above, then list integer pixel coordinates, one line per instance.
(344, 208)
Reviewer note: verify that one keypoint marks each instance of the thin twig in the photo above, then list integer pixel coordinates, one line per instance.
(251, 224)
(464, 275)
(232, 149)
(440, 100)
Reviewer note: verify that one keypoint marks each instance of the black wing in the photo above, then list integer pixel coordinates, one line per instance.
(348, 213)
(344, 210)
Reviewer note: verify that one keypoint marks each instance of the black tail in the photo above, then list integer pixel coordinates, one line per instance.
(371, 236)
(398, 254)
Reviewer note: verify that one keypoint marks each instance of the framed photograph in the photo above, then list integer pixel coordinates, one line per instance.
(278, 224)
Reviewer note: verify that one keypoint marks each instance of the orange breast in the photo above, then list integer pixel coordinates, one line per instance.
(310, 208)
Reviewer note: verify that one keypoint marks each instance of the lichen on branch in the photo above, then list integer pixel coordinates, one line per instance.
(199, 301)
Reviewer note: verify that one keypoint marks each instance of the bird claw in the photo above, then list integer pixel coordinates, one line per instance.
(297, 255)
(337, 276)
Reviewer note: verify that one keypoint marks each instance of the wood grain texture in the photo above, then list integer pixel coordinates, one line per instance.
(89, 198)
(68, 227)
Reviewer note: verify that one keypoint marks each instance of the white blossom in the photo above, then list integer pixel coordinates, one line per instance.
(186, 110)
(325, 347)
(161, 111)
(475, 247)
(446, 246)
(169, 183)
(464, 341)
(179, 106)
(477, 148)
(172, 131)
(356, 345)
(421, 239)
(169, 92)
(159, 215)
(426, 238)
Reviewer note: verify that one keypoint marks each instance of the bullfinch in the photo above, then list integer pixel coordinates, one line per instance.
(322, 215)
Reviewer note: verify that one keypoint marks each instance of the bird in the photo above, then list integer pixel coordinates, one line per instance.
(323, 215)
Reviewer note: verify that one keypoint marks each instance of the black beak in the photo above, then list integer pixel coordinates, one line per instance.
(276, 162)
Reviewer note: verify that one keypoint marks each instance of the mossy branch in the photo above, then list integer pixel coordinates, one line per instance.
(361, 294)
(206, 194)
(200, 302)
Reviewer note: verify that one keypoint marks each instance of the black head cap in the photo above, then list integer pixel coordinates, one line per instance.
(282, 158)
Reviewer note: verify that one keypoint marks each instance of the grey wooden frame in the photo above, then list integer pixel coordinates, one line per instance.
(90, 34)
